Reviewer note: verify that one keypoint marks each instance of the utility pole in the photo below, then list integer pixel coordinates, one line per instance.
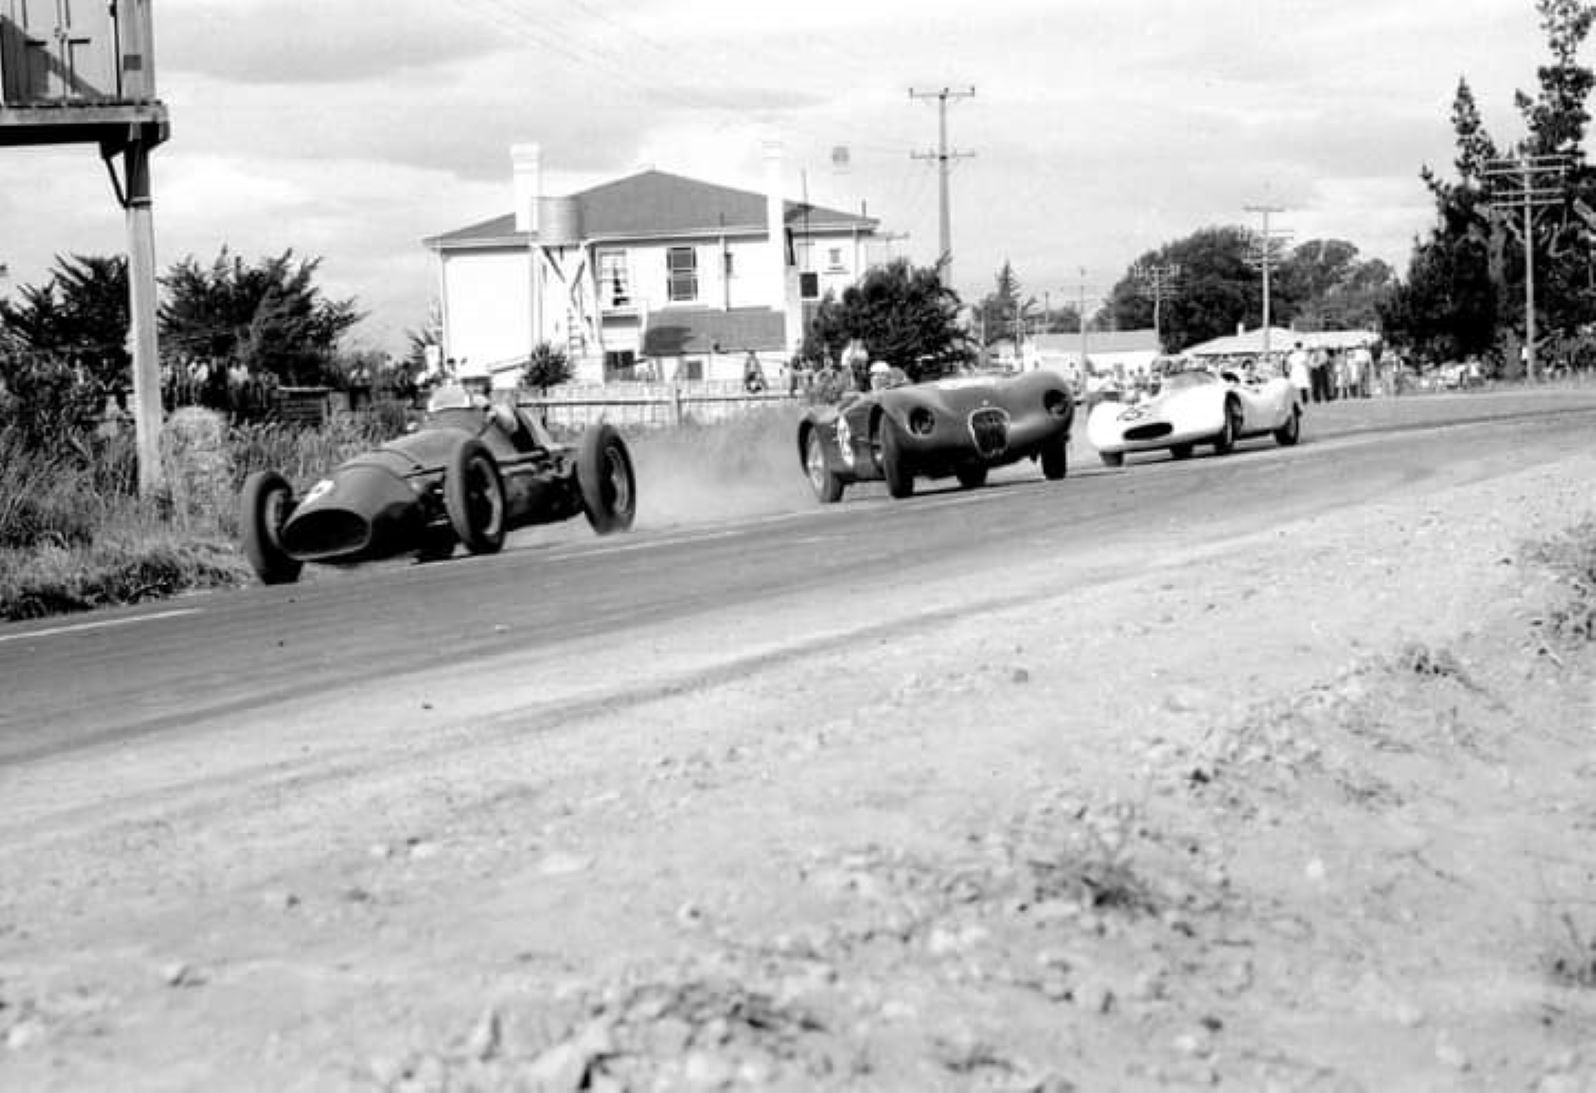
(1525, 184)
(1157, 281)
(944, 160)
(1267, 243)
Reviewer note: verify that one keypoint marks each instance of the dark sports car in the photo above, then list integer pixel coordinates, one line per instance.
(468, 474)
(951, 428)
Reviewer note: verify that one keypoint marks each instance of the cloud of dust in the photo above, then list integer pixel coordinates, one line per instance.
(747, 466)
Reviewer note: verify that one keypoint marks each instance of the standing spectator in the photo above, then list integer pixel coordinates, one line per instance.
(1319, 375)
(1360, 365)
(1299, 372)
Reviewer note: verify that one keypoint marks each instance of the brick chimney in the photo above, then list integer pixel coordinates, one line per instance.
(526, 161)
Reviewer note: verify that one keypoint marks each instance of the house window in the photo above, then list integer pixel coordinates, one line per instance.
(834, 259)
(615, 285)
(809, 286)
(681, 269)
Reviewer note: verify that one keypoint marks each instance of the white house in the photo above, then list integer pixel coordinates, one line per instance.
(650, 276)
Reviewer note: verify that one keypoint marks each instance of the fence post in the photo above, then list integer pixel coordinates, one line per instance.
(676, 405)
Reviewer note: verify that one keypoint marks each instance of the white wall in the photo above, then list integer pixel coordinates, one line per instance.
(487, 302)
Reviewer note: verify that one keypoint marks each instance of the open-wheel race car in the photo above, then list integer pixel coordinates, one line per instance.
(467, 474)
(959, 427)
(1196, 407)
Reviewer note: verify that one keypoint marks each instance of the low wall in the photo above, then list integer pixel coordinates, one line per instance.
(648, 404)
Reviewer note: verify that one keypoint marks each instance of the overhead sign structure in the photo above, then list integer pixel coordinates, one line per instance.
(83, 72)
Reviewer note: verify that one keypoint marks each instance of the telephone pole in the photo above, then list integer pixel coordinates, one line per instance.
(1527, 183)
(1267, 243)
(1158, 282)
(944, 160)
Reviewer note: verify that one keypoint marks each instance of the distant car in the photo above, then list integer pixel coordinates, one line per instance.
(467, 475)
(959, 427)
(1196, 407)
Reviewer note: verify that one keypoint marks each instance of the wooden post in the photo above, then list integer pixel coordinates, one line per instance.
(141, 312)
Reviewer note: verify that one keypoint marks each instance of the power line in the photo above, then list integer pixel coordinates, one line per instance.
(1267, 246)
(1526, 184)
(944, 160)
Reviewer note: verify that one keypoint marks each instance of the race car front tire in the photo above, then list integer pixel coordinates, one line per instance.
(894, 467)
(827, 485)
(1289, 433)
(606, 479)
(1056, 458)
(264, 507)
(473, 496)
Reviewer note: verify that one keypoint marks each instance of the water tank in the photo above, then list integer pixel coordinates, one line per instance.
(559, 221)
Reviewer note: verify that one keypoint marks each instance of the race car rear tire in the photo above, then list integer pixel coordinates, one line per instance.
(827, 486)
(894, 467)
(1112, 459)
(608, 483)
(1056, 458)
(264, 507)
(971, 478)
(1180, 451)
(1225, 442)
(473, 496)
(1289, 433)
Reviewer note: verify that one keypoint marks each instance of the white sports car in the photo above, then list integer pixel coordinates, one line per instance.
(1193, 408)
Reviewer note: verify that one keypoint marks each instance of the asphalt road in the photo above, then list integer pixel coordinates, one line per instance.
(187, 666)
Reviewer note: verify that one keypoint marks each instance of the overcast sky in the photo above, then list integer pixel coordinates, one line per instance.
(351, 129)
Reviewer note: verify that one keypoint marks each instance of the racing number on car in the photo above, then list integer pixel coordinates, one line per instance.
(845, 440)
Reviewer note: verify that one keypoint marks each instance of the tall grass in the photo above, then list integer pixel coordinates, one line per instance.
(74, 535)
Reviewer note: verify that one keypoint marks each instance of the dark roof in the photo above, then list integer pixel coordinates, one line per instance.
(683, 331)
(655, 204)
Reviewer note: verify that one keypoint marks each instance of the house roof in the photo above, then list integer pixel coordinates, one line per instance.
(684, 331)
(1281, 340)
(1100, 341)
(657, 204)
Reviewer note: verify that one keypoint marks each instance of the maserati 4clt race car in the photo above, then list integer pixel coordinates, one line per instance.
(1193, 408)
(959, 427)
(468, 474)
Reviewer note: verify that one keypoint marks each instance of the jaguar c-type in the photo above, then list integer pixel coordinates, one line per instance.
(959, 427)
(1196, 407)
(467, 474)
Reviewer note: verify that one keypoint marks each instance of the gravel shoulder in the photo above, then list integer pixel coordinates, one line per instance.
(1309, 808)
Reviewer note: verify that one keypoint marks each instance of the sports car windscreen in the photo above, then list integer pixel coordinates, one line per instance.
(1179, 381)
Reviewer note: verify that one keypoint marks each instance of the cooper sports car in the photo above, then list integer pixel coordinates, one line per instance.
(1196, 407)
(467, 474)
(960, 427)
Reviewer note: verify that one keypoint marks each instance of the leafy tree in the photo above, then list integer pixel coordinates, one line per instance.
(1466, 278)
(1000, 312)
(79, 317)
(1328, 287)
(1218, 289)
(268, 318)
(903, 315)
(546, 366)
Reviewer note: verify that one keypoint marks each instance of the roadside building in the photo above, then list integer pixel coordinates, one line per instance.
(652, 276)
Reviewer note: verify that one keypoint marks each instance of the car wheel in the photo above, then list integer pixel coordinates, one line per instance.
(827, 486)
(894, 467)
(1289, 433)
(971, 478)
(607, 481)
(1180, 451)
(473, 496)
(1225, 442)
(1056, 458)
(1112, 459)
(264, 507)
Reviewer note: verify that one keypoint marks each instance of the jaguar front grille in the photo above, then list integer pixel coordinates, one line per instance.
(989, 428)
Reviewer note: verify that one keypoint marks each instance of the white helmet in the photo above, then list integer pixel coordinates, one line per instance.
(879, 368)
